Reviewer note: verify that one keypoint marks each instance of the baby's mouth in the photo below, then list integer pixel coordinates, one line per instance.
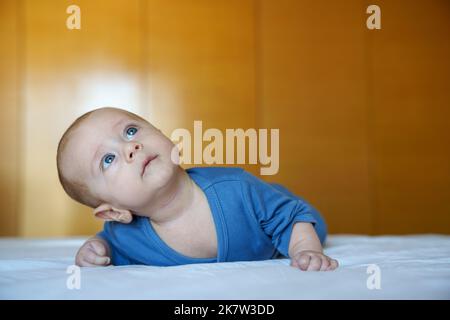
(146, 163)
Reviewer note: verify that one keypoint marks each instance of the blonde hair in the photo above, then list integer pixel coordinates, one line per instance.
(77, 190)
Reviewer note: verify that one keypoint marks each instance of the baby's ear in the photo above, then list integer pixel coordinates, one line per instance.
(109, 213)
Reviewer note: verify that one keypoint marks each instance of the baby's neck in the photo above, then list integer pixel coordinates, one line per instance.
(177, 201)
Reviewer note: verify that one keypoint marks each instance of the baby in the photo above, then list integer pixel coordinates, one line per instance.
(157, 213)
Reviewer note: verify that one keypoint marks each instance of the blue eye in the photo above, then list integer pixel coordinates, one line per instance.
(130, 132)
(107, 160)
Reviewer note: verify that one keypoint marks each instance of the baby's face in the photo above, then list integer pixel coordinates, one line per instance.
(123, 160)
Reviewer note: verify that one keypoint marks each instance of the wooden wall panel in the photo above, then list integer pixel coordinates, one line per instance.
(410, 117)
(312, 86)
(200, 64)
(363, 115)
(69, 72)
(10, 130)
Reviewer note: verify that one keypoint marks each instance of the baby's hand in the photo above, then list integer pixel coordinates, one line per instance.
(93, 253)
(309, 260)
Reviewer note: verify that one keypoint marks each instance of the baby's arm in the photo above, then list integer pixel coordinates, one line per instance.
(306, 251)
(94, 252)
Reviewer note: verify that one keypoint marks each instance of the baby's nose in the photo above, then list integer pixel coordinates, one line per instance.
(133, 148)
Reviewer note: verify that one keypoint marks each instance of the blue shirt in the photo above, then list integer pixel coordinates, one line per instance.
(253, 221)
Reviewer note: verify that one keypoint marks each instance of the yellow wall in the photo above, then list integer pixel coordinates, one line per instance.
(10, 132)
(364, 115)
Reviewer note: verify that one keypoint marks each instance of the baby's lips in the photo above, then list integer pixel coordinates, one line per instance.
(146, 162)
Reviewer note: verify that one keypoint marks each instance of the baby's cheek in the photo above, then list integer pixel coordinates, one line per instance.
(127, 192)
(123, 190)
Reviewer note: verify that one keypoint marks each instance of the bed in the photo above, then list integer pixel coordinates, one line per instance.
(381, 267)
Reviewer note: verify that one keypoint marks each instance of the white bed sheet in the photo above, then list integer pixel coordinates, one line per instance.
(411, 267)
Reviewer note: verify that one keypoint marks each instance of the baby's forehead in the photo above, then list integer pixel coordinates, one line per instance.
(94, 128)
(110, 115)
(101, 124)
(103, 120)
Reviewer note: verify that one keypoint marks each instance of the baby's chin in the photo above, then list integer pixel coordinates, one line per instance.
(160, 172)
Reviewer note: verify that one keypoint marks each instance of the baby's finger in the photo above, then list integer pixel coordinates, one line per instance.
(294, 263)
(98, 247)
(84, 263)
(103, 260)
(325, 263)
(333, 264)
(315, 263)
(81, 260)
(95, 259)
(303, 261)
